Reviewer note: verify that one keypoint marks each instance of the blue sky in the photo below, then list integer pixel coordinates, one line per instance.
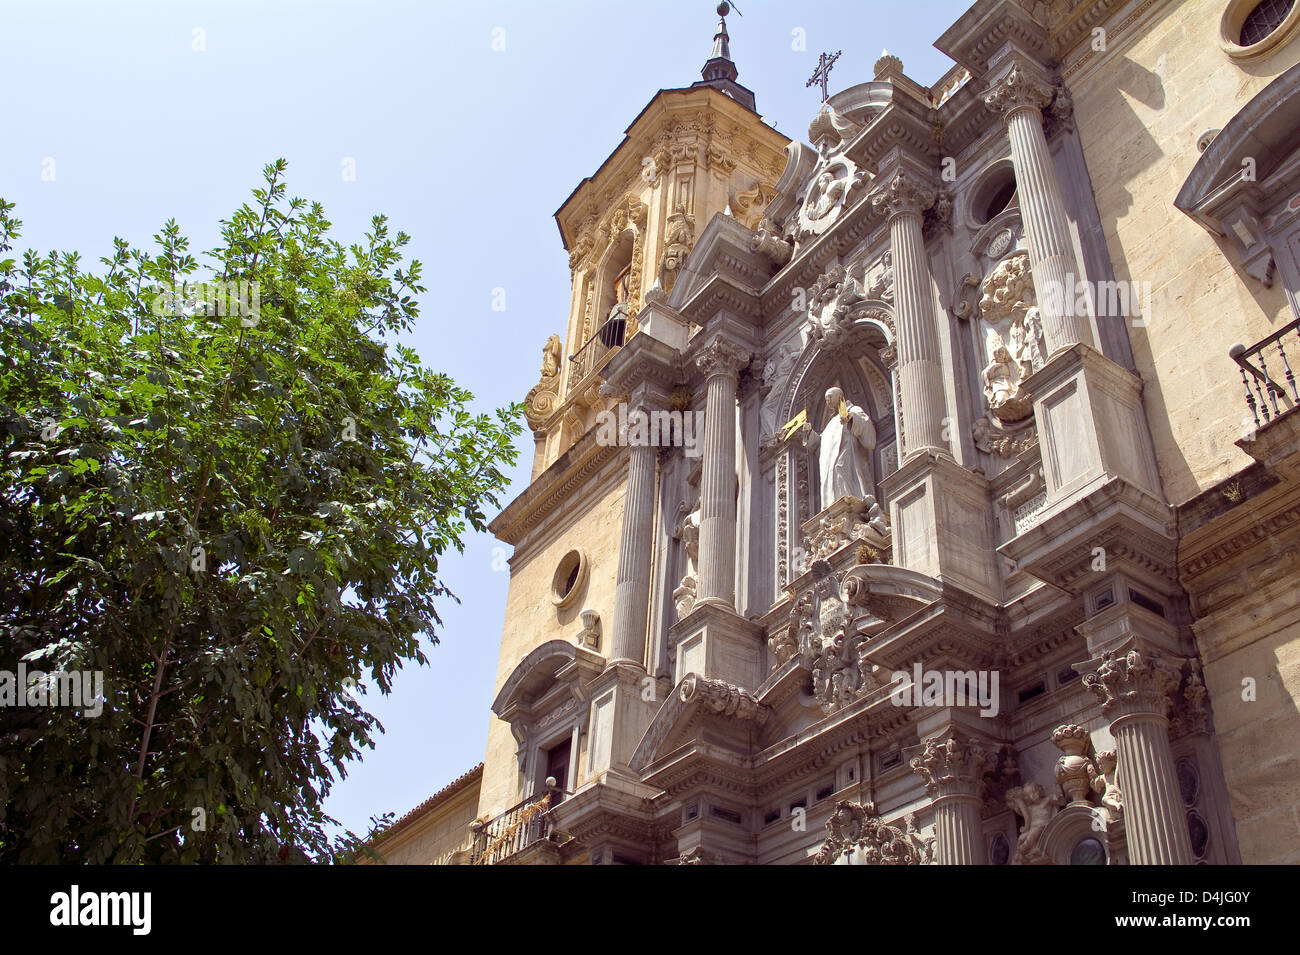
(143, 111)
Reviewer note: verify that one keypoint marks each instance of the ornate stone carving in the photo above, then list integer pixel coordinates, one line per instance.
(721, 357)
(1193, 713)
(1013, 337)
(768, 242)
(833, 177)
(848, 520)
(821, 629)
(1134, 682)
(590, 635)
(855, 830)
(903, 194)
(776, 375)
(1106, 783)
(543, 398)
(1017, 90)
(953, 766)
(964, 302)
(1075, 769)
(879, 279)
(924, 845)
(831, 132)
(747, 205)
(723, 699)
(678, 239)
(1036, 807)
(1059, 117)
(992, 438)
(687, 532)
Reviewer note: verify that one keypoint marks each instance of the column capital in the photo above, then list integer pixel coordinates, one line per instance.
(953, 766)
(721, 357)
(1132, 683)
(904, 193)
(1018, 89)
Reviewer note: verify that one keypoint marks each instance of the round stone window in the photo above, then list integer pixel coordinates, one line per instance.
(570, 575)
(1254, 28)
(993, 194)
(1088, 852)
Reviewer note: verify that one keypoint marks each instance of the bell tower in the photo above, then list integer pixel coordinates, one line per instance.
(577, 680)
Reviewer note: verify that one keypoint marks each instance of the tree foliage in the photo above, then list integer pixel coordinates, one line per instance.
(232, 516)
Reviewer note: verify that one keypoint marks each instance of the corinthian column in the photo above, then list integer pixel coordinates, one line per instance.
(920, 374)
(720, 360)
(632, 586)
(1020, 98)
(1134, 691)
(953, 771)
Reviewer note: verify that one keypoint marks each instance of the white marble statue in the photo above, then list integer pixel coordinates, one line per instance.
(843, 450)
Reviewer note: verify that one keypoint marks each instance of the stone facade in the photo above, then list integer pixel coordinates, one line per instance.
(979, 554)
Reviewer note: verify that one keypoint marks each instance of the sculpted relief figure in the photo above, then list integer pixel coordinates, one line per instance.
(678, 237)
(1037, 807)
(1013, 335)
(843, 450)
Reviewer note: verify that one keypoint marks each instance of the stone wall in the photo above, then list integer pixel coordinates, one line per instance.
(1140, 110)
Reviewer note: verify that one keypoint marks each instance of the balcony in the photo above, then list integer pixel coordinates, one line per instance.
(515, 830)
(594, 355)
(1253, 363)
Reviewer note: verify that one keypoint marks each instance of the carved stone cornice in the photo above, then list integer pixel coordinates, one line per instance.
(721, 357)
(1133, 683)
(903, 194)
(1018, 89)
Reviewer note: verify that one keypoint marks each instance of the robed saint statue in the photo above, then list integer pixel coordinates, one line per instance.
(843, 450)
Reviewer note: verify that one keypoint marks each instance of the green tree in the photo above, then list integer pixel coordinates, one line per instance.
(234, 514)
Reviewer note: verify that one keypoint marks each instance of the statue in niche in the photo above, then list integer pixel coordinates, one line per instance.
(843, 450)
(1013, 335)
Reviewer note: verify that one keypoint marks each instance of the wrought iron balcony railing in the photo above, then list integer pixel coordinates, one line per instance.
(597, 351)
(1253, 362)
(514, 830)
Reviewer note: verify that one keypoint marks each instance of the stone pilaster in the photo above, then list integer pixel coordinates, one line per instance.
(904, 198)
(720, 360)
(953, 770)
(1134, 688)
(1020, 97)
(632, 585)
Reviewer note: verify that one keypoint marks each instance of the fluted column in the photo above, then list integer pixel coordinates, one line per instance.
(1020, 98)
(1134, 691)
(632, 586)
(720, 361)
(953, 771)
(920, 371)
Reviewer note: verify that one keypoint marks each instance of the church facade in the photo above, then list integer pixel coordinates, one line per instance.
(927, 490)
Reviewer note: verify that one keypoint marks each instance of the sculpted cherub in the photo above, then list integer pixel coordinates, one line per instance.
(1033, 804)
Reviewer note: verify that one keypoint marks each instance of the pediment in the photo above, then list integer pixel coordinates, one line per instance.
(553, 665)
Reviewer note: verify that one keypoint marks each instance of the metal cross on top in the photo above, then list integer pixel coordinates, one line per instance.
(822, 74)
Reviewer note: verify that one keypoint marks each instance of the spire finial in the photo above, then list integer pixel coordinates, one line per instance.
(722, 42)
(720, 71)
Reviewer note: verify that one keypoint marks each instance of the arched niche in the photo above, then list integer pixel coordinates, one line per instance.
(849, 356)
